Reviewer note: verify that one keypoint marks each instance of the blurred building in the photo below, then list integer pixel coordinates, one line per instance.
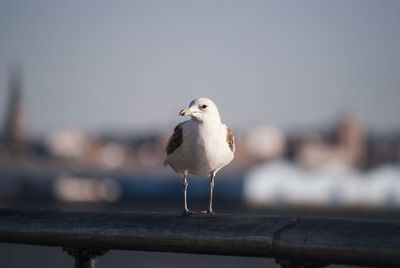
(14, 133)
(14, 144)
(352, 140)
(266, 142)
(346, 146)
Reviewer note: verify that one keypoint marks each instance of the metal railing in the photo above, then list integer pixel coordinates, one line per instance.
(292, 241)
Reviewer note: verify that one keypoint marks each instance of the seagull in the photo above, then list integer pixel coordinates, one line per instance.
(201, 145)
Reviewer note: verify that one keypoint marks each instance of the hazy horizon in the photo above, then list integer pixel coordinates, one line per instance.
(126, 65)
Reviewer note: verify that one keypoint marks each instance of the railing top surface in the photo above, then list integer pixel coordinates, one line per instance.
(326, 240)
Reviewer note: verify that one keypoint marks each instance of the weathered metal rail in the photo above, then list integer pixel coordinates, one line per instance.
(292, 241)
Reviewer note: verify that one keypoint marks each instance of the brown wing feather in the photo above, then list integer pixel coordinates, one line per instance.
(230, 139)
(175, 140)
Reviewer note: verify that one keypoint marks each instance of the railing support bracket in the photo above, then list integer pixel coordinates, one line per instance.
(84, 257)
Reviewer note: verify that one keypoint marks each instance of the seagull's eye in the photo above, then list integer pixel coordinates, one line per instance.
(204, 106)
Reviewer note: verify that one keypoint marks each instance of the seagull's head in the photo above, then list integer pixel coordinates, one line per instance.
(202, 110)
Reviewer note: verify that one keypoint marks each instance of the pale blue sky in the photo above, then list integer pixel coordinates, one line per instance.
(129, 65)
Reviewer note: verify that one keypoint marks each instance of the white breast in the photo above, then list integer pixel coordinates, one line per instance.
(204, 149)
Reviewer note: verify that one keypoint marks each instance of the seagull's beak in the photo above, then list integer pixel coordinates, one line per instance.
(185, 112)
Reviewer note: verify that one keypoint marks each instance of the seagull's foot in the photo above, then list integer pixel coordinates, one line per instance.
(206, 211)
(190, 212)
(186, 212)
(210, 211)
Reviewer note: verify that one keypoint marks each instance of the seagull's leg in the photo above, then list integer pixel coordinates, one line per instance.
(185, 185)
(210, 210)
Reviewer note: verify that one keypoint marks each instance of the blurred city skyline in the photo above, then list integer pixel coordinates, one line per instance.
(101, 65)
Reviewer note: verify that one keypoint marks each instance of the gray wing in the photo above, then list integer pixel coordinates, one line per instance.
(230, 139)
(175, 140)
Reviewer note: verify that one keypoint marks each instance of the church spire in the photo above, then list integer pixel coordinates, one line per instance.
(15, 130)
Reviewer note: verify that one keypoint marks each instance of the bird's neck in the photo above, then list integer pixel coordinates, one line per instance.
(208, 125)
(208, 121)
